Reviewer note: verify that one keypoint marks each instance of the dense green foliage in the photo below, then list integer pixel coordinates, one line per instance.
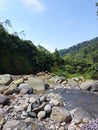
(82, 59)
(19, 56)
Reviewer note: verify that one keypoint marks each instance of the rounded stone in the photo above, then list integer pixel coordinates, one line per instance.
(41, 115)
(47, 108)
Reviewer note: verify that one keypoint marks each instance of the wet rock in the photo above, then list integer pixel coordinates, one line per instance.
(41, 115)
(4, 100)
(5, 79)
(81, 114)
(60, 114)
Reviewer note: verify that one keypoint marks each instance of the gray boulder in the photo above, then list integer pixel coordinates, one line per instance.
(25, 88)
(5, 79)
(89, 85)
(60, 114)
(37, 84)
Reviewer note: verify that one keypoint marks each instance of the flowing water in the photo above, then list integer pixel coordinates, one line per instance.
(87, 101)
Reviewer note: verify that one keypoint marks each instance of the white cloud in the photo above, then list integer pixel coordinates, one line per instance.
(36, 5)
(3, 5)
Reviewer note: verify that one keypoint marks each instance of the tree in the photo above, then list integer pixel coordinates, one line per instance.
(97, 7)
(7, 23)
(22, 33)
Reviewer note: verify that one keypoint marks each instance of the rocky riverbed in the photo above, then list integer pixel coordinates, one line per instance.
(47, 102)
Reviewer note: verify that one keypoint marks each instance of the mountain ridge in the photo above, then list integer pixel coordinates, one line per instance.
(74, 48)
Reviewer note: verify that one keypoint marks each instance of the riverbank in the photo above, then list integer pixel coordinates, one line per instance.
(47, 102)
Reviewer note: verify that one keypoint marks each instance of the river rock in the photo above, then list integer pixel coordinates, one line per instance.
(73, 84)
(47, 108)
(18, 108)
(17, 81)
(32, 114)
(12, 89)
(2, 121)
(41, 115)
(60, 114)
(5, 79)
(89, 85)
(81, 114)
(4, 100)
(11, 124)
(29, 108)
(2, 112)
(25, 88)
(37, 84)
(54, 102)
(73, 127)
(3, 88)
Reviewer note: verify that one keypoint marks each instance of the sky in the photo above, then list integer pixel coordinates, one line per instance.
(52, 23)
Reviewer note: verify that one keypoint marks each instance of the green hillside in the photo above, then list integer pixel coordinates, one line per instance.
(82, 58)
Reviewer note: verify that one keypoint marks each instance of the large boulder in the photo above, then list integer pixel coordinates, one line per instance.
(60, 114)
(25, 88)
(89, 85)
(5, 79)
(37, 84)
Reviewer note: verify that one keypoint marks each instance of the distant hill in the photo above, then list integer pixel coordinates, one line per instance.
(91, 46)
